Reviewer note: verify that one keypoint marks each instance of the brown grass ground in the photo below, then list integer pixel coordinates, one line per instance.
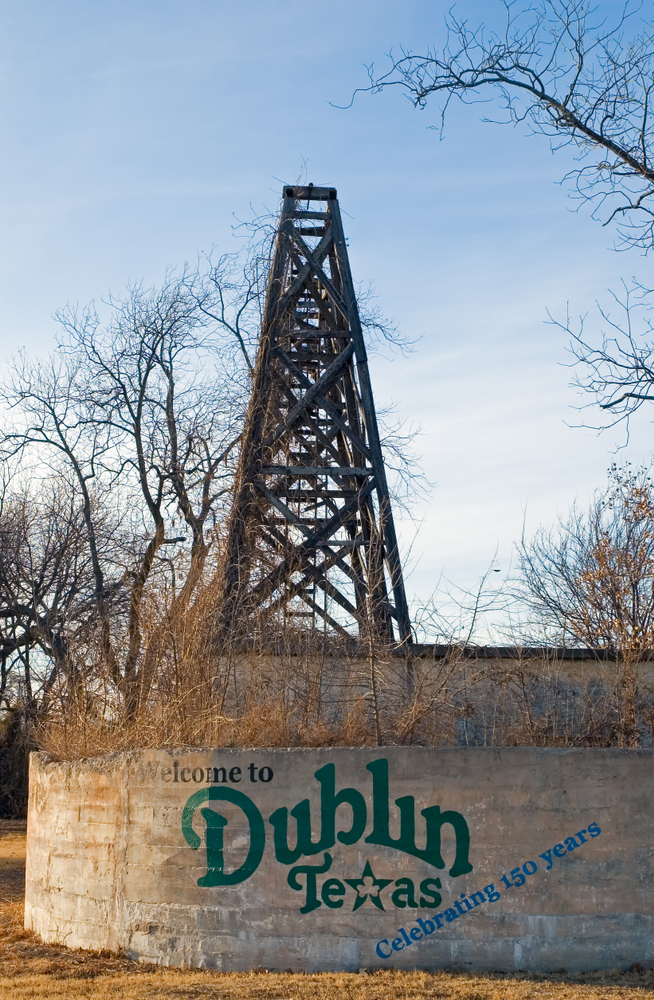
(30, 970)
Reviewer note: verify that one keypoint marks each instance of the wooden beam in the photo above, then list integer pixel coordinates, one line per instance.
(315, 470)
(309, 193)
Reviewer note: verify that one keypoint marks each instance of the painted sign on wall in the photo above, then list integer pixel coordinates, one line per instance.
(337, 859)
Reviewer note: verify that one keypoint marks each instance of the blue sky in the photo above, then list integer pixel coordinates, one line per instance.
(134, 133)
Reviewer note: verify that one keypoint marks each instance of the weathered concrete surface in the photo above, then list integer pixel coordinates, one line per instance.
(112, 862)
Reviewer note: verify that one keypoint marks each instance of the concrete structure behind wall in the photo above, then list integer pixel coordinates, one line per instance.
(477, 859)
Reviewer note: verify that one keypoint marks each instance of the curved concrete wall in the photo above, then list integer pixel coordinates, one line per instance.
(341, 859)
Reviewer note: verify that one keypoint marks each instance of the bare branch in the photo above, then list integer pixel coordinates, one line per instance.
(576, 78)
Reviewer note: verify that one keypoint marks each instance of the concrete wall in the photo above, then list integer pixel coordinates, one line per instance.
(313, 860)
(479, 696)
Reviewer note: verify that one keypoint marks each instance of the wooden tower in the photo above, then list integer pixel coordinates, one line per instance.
(311, 541)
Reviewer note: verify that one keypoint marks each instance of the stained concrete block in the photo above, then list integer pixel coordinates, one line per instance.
(337, 859)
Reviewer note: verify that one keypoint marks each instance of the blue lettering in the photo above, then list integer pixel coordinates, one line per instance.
(380, 952)
(547, 856)
(492, 893)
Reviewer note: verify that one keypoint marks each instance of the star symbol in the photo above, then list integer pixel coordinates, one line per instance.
(368, 887)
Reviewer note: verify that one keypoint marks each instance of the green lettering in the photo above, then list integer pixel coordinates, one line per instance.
(215, 823)
(430, 897)
(329, 803)
(404, 894)
(331, 890)
(406, 842)
(279, 822)
(311, 901)
(214, 842)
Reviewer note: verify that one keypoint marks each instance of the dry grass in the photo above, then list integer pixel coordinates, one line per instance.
(30, 970)
(316, 699)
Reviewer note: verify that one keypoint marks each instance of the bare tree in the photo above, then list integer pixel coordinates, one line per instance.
(591, 581)
(47, 619)
(141, 414)
(581, 78)
(461, 617)
(46, 593)
(619, 373)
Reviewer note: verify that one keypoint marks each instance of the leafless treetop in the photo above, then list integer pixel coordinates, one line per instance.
(575, 75)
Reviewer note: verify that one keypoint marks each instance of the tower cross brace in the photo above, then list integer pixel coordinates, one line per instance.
(311, 539)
